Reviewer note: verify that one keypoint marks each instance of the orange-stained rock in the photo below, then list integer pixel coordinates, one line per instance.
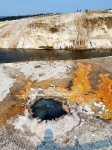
(16, 106)
(100, 102)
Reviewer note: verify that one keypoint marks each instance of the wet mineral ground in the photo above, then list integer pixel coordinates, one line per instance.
(82, 88)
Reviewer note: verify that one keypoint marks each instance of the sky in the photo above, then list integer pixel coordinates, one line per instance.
(25, 7)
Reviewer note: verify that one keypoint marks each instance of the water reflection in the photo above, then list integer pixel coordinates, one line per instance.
(15, 55)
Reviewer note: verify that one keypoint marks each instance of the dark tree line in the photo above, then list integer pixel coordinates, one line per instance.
(27, 16)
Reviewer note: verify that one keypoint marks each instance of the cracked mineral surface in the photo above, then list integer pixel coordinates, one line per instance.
(86, 87)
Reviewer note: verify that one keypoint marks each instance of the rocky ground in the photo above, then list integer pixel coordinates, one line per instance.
(83, 84)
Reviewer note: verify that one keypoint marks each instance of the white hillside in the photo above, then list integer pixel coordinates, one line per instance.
(75, 30)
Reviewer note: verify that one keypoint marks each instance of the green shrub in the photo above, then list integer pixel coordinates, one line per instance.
(53, 29)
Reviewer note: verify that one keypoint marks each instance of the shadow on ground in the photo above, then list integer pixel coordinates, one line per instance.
(49, 144)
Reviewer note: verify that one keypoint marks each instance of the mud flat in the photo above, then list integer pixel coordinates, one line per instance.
(84, 87)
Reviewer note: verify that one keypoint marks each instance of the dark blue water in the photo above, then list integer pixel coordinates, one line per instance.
(17, 55)
(47, 109)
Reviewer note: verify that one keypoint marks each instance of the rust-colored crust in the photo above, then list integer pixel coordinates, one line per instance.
(81, 92)
(16, 106)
